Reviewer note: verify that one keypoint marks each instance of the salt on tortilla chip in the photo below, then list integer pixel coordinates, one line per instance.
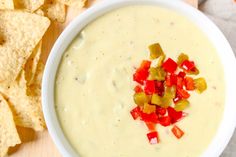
(22, 32)
(29, 5)
(74, 3)
(27, 109)
(32, 63)
(55, 10)
(6, 4)
(8, 133)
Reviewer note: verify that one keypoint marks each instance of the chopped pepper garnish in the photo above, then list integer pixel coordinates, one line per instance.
(187, 65)
(141, 98)
(181, 105)
(200, 84)
(189, 83)
(177, 132)
(153, 137)
(156, 99)
(155, 51)
(163, 90)
(169, 65)
(147, 108)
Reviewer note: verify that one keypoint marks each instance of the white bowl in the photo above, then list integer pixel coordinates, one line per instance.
(224, 50)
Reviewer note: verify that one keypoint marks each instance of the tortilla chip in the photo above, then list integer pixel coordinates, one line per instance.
(32, 63)
(6, 4)
(74, 3)
(55, 10)
(22, 32)
(27, 109)
(8, 134)
(29, 5)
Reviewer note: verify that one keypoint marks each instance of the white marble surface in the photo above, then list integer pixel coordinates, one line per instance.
(223, 13)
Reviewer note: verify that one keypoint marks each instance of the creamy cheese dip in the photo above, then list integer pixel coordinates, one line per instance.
(94, 86)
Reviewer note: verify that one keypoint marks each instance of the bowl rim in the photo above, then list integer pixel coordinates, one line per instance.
(228, 122)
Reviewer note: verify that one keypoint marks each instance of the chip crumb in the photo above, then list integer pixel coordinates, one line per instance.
(8, 133)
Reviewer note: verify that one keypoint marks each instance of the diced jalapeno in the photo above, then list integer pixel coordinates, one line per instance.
(200, 85)
(182, 57)
(157, 74)
(170, 92)
(181, 105)
(147, 108)
(155, 50)
(161, 60)
(141, 98)
(156, 99)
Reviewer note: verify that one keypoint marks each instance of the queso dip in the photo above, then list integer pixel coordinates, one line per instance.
(94, 85)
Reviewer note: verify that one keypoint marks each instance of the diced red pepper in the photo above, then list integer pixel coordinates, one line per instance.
(179, 82)
(151, 126)
(161, 111)
(177, 132)
(182, 74)
(165, 121)
(183, 93)
(153, 137)
(169, 65)
(145, 64)
(187, 65)
(160, 87)
(171, 80)
(189, 83)
(136, 112)
(153, 117)
(149, 86)
(140, 75)
(138, 89)
(174, 115)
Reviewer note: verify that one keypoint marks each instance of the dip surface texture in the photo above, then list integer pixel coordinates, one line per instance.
(94, 85)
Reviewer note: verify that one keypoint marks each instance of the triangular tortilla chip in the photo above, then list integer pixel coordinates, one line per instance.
(55, 10)
(29, 5)
(8, 134)
(20, 38)
(6, 4)
(32, 63)
(27, 109)
(74, 3)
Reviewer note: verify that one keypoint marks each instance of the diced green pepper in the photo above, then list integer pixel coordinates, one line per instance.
(161, 60)
(170, 92)
(182, 57)
(155, 50)
(165, 101)
(147, 108)
(157, 74)
(181, 105)
(156, 99)
(141, 98)
(200, 85)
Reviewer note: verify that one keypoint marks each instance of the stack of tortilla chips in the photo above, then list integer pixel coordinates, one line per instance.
(23, 24)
